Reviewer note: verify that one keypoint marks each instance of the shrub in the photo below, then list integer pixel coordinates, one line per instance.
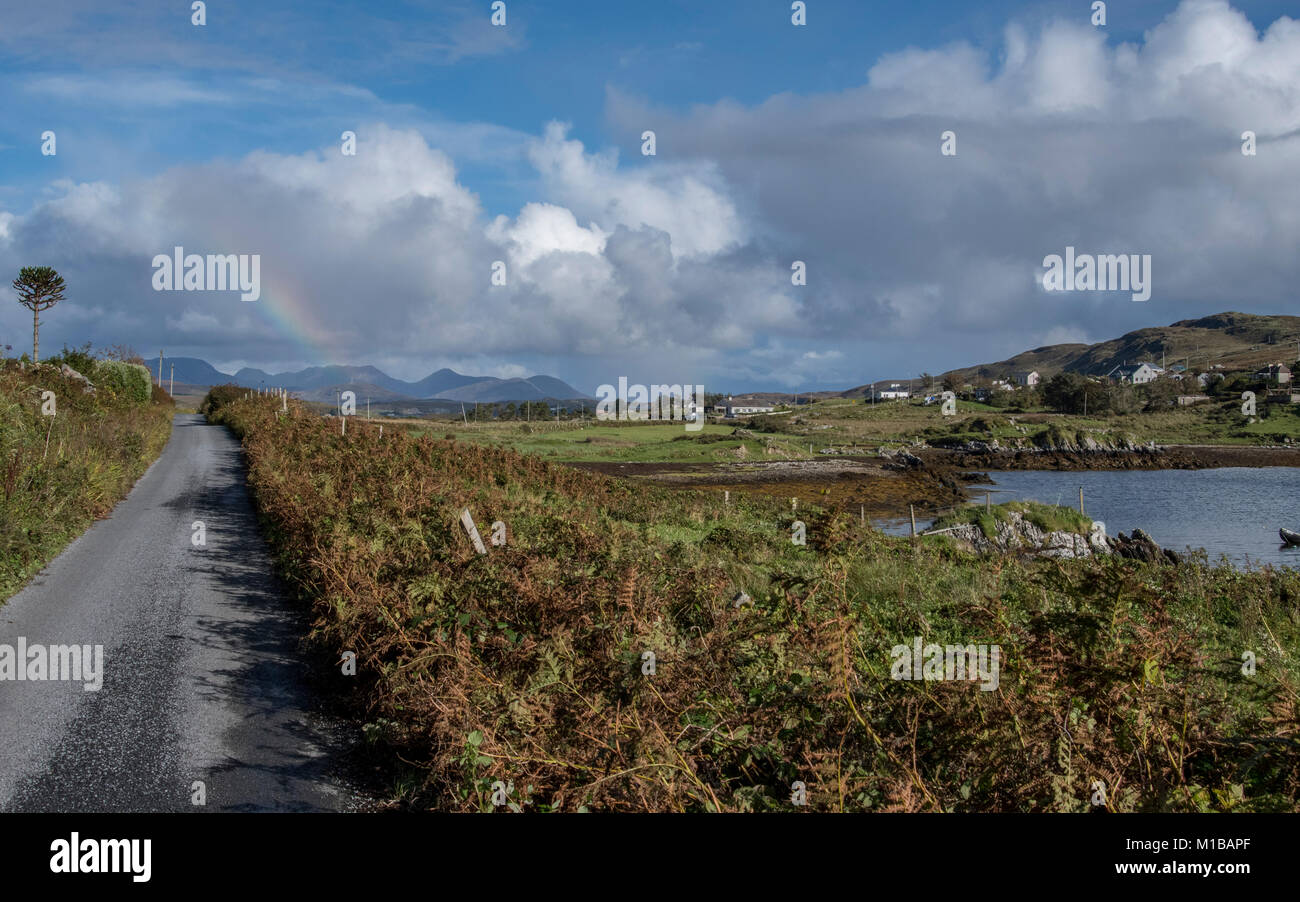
(1051, 437)
(988, 424)
(80, 359)
(219, 396)
(129, 381)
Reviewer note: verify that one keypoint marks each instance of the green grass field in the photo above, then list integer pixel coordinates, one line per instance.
(900, 421)
(651, 442)
(854, 426)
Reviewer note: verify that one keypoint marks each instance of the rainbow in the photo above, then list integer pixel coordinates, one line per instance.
(286, 308)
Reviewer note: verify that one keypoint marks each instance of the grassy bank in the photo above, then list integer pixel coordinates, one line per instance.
(527, 666)
(1213, 423)
(847, 425)
(625, 442)
(60, 473)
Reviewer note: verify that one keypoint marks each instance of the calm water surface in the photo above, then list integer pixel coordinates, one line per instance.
(1233, 511)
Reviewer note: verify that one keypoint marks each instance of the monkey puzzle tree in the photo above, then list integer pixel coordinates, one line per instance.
(39, 288)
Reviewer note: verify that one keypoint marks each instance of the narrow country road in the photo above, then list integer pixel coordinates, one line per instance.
(202, 677)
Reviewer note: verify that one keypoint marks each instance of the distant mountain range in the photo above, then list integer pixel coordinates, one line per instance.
(319, 383)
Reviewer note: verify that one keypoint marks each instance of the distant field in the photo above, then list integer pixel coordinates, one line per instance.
(651, 442)
(847, 423)
(852, 426)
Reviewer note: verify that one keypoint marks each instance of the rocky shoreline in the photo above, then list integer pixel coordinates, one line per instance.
(929, 481)
(1017, 535)
(991, 456)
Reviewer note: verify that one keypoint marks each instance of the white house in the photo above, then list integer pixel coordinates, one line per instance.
(732, 409)
(1137, 373)
(1279, 371)
(1026, 378)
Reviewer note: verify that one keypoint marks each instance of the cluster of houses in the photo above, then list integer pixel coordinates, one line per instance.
(1129, 373)
(1142, 373)
(896, 391)
(1278, 374)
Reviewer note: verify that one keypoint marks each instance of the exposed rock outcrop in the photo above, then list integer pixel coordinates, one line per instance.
(1141, 547)
(1017, 534)
(901, 460)
(1051, 441)
(68, 372)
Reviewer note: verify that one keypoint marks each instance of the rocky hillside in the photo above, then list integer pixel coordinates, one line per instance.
(1232, 340)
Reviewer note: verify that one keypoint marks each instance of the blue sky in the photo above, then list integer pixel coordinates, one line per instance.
(403, 57)
(522, 143)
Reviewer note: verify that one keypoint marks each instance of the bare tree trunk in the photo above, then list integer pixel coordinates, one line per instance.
(36, 336)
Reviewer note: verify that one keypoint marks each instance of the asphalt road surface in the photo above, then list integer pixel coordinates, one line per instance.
(202, 677)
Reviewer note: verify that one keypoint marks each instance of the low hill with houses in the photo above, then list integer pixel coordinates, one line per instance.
(1235, 341)
(1224, 341)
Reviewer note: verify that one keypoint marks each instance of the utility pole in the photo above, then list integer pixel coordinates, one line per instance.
(172, 389)
(160, 353)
